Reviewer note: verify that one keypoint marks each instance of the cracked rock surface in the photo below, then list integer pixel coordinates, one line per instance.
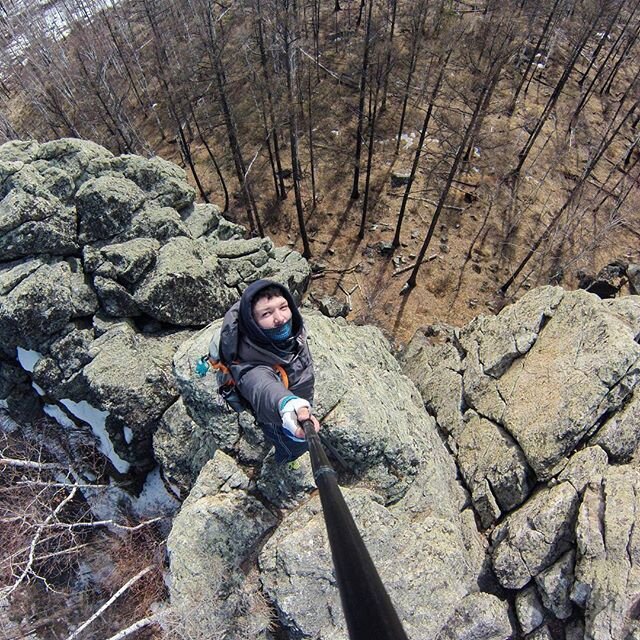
(543, 423)
(107, 264)
(398, 479)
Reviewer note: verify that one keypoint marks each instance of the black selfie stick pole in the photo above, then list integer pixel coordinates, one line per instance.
(366, 605)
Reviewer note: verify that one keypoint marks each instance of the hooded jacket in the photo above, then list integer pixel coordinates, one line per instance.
(250, 355)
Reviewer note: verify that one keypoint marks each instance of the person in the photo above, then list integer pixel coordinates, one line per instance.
(261, 332)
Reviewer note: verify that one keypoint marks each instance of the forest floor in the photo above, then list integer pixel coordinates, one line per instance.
(472, 252)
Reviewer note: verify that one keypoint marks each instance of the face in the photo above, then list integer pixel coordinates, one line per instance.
(271, 312)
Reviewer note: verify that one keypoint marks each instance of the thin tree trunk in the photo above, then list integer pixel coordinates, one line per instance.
(387, 68)
(416, 157)
(373, 111)
(416, 41)
(223, 184)
(480, 105)
(310, 128)
(589, 91)
(532, 59)
(282, 192)
(522, 156)
(355, 192)
(291, 69)
(572, 197)
(232, 134)
(603, 39)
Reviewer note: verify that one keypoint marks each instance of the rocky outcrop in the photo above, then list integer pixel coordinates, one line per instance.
(543, 424)
(107, 265)
(413, 513)
(492, 471)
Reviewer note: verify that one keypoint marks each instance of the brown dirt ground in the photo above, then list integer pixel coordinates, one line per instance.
(474, 250)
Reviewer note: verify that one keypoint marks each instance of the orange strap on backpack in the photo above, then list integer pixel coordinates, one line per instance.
(279, 369)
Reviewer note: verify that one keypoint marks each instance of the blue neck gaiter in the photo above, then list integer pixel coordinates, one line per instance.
(279, 334)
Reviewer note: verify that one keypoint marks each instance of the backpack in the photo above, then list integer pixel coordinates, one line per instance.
(227, 390)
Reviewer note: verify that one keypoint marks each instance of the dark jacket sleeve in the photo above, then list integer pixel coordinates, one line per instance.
(262, 388)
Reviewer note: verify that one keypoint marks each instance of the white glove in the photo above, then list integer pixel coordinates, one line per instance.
(290, 418)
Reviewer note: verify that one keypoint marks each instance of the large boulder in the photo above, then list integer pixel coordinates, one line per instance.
(124, 375)
(185, 285)
(214, 538)
(32, 225)
(106, 206)
(607, 571)
(413, 514)
(40, 299)
(544, 426)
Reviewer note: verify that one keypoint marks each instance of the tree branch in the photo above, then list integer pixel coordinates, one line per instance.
(34, 543)
(127, 585)
(144, 622)
(30, 464)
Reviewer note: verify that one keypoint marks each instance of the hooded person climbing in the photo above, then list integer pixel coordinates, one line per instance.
(263, 342)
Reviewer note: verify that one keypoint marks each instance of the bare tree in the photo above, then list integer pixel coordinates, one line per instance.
(481, 103)
(355, 191)
(609, 136)
(288, 23)
(417, 154)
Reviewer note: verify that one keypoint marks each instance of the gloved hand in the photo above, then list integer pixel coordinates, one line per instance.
(290, 418)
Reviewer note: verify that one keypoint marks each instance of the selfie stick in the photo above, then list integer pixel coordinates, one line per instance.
(366, 605)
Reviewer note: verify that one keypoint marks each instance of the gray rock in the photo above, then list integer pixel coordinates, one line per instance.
(18, 151)
(32, 225)
(561, 361)
(333, 308)
(128, 377)
(213, 537)
(184, 286)
(585, 466)
(125, 262)
(284, 487)
(152, 221)
(13, 273)
(385, 438)
(606, 573)
(41, 304)
(115, 300)
(72, 155)
(106, 206)
(178, 432)
(17, 395)
(502, 339)
(164, 182)
(534, 536)
(433, 362)
(55, 181)
(541, 633)
(619, 436)
(479, 616)
(493, 467)
(217, 424)
(529, 610)
(297, 573)
(25, 178)
(289, 268)
(583, 369)
(399, 179)
(554, 586)
(607, 283)
(203, 220)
